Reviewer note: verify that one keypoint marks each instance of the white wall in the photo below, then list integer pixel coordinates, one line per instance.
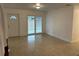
(59, 23)
(75, 32)
(22, 18)
(1, 36)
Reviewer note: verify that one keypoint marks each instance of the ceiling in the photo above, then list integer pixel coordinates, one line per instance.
(44, 6)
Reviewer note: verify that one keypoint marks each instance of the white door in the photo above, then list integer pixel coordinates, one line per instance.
(13, 25)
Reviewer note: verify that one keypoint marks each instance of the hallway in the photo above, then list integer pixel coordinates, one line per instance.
(41, 45)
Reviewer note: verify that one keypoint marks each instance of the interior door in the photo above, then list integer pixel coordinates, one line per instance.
(13, 25)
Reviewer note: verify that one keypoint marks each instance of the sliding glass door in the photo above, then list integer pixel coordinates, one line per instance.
(31, 24)
(38, 24)
(34, 24)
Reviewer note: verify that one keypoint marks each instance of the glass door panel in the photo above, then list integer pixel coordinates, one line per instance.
(31, 24)
(38, 24)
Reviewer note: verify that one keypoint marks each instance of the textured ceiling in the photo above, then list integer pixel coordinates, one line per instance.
(44, 6)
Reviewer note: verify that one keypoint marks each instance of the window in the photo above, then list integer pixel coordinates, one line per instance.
(13, 18)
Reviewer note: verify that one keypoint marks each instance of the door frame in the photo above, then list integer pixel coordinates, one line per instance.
(35, 24)
(15, 14)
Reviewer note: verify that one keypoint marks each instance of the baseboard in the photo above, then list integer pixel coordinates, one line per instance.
(74, 41)
(59, 38)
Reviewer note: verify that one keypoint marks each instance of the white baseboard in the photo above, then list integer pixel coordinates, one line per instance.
(60, 38)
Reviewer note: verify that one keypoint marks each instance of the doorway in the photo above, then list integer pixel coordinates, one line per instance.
(34, 24)
(13, 25)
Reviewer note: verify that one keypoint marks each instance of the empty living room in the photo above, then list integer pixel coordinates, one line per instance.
(39, 29)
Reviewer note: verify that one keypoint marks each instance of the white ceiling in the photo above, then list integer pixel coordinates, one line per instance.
(44, 6)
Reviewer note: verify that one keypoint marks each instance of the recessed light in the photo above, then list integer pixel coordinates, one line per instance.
(38, 7)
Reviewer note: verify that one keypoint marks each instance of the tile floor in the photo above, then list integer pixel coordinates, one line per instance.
(41, 45)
